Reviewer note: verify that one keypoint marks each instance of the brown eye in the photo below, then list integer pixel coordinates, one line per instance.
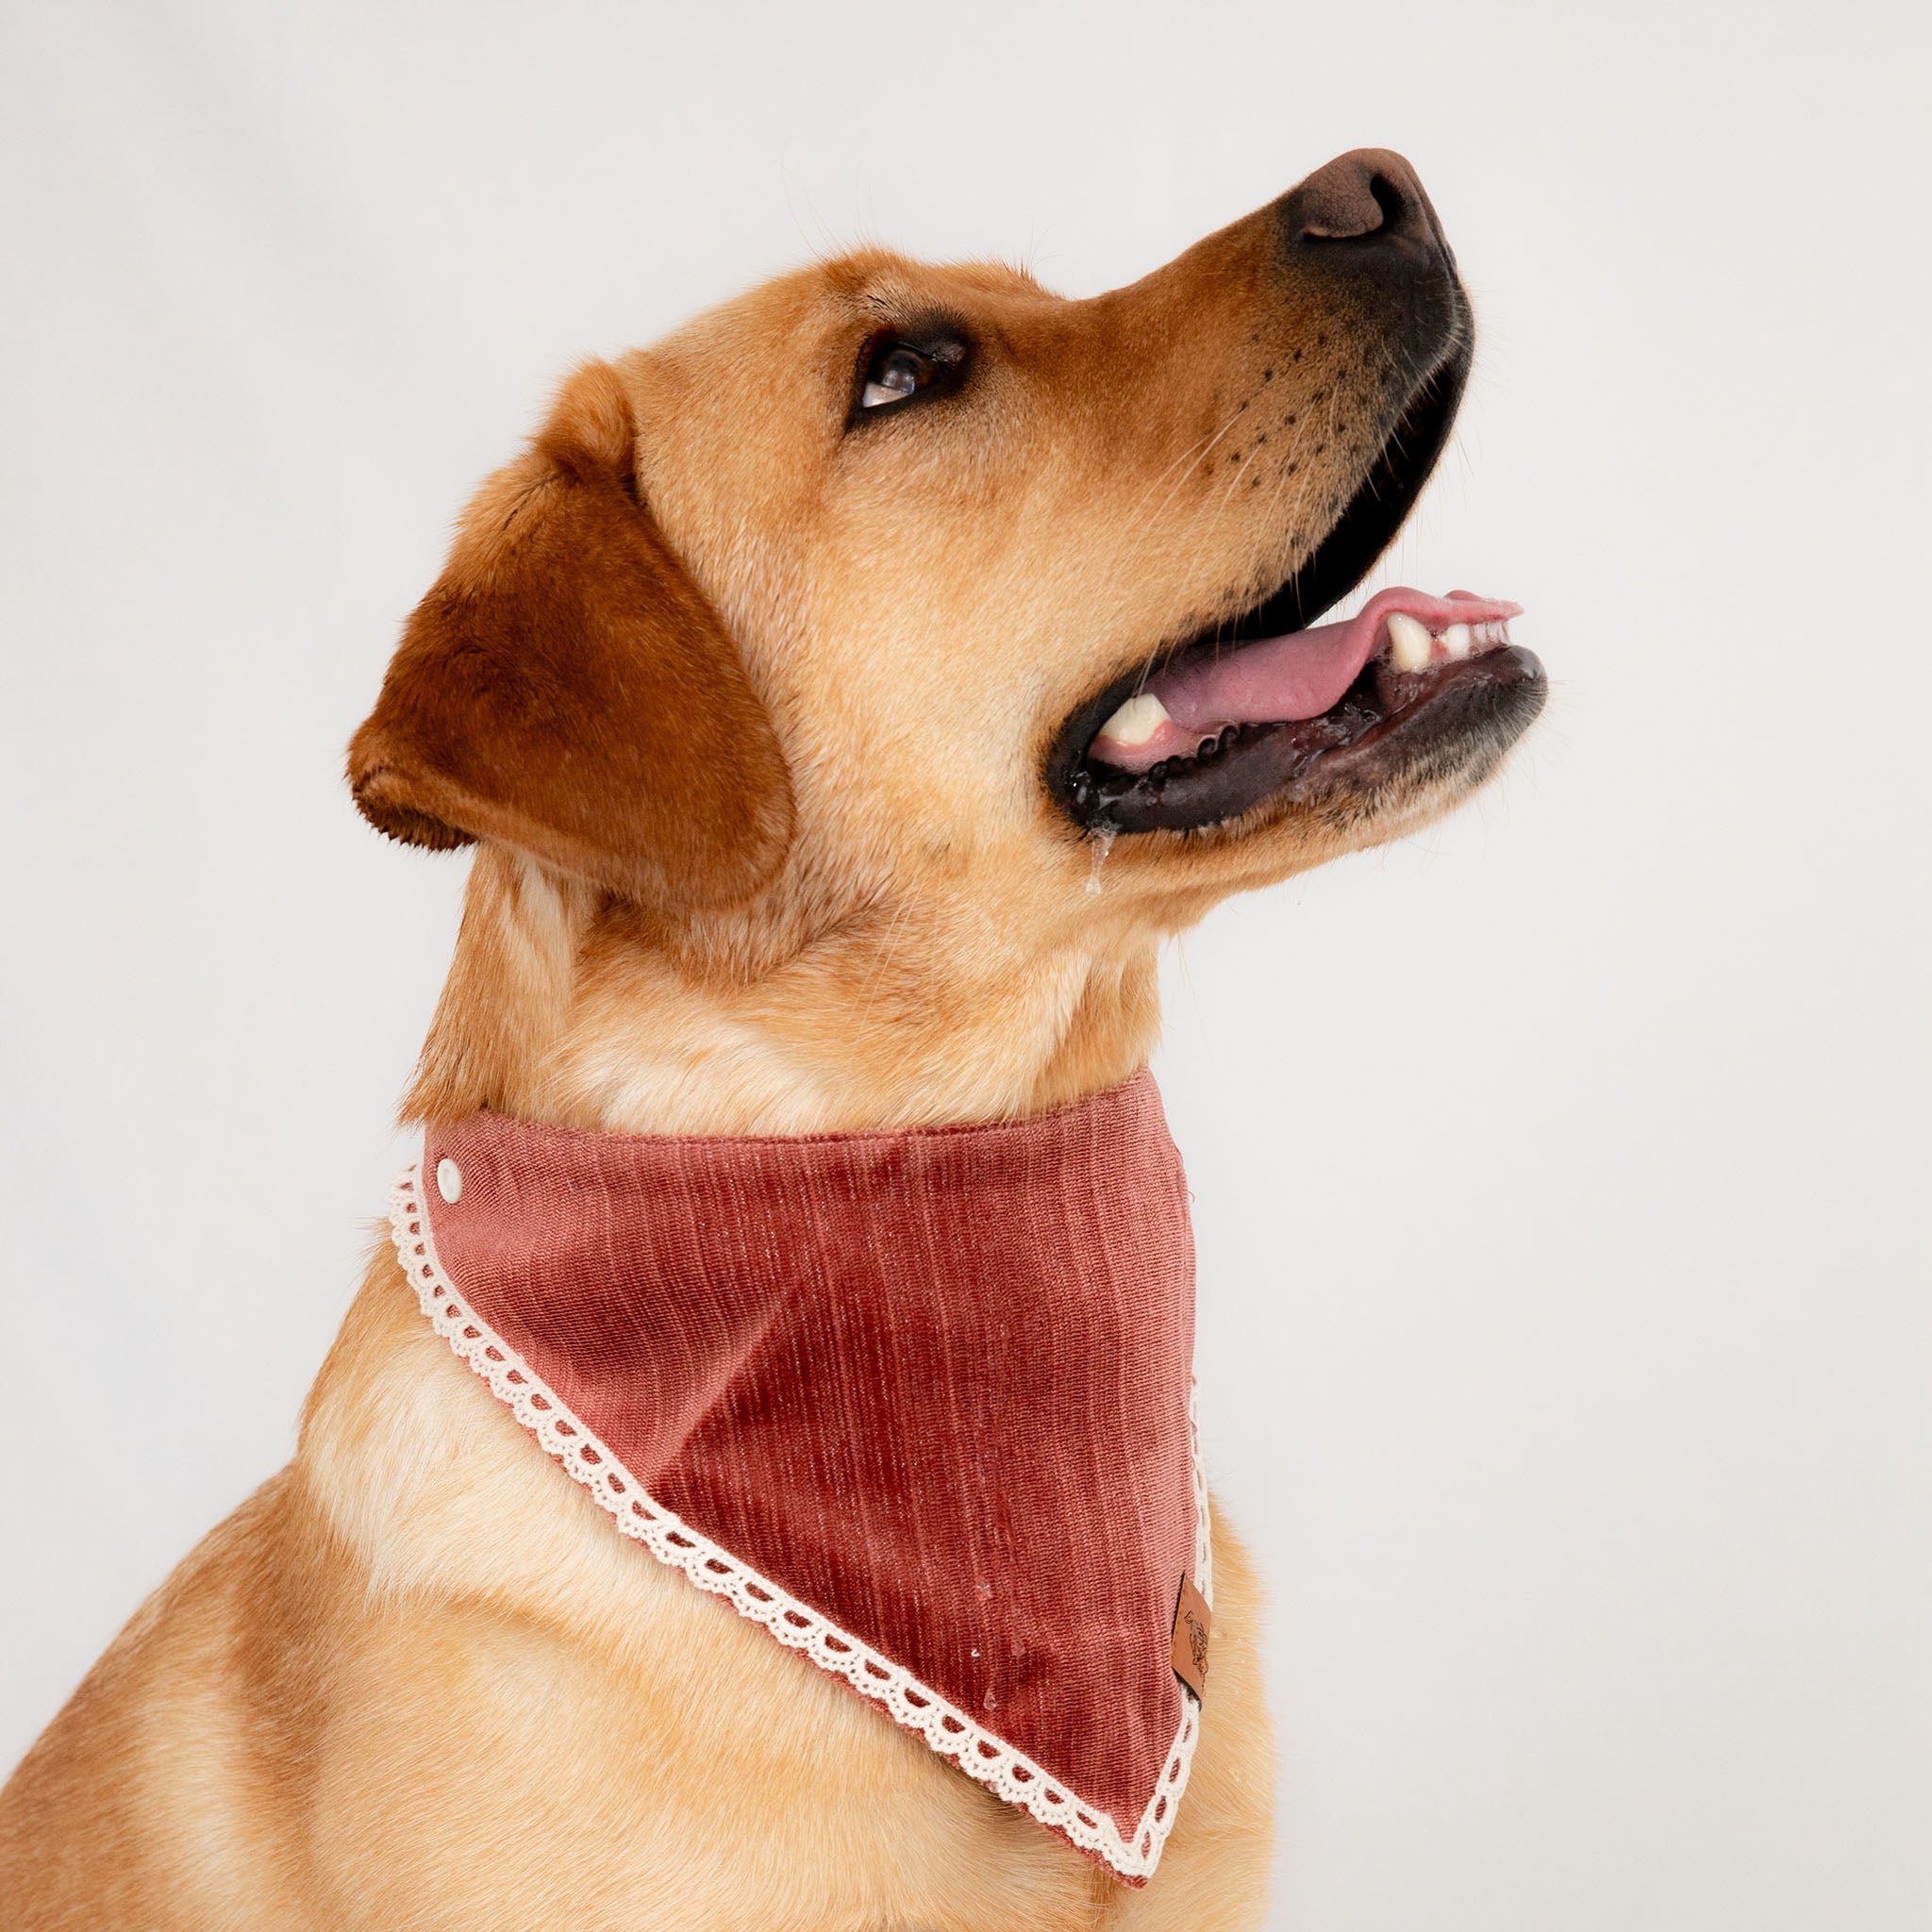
(893, 377)
(894, 371)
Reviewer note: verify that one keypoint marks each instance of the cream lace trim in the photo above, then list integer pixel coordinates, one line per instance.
(1204, 1540)
(979, 1753)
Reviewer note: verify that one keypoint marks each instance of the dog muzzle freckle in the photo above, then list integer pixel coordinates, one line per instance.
(918, 1404)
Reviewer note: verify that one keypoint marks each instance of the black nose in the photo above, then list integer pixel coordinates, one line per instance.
(1364, 206)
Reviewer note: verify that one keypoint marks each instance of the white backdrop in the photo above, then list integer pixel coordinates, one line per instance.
(1560, 1177)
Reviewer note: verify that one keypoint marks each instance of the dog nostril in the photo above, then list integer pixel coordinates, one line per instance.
(1371, 195)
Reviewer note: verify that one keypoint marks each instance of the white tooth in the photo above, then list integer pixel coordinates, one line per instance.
(1137, 721)
(1457, 641)
(1408, 641)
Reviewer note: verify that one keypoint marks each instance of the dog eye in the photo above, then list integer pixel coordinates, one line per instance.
(895, 371)
(895, 376)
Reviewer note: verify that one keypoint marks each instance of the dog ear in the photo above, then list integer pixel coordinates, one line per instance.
(565, 688)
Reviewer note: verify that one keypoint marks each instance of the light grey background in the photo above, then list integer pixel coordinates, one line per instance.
(1560, 1176)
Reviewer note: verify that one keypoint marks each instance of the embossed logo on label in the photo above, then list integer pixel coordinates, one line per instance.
(1192, 1620)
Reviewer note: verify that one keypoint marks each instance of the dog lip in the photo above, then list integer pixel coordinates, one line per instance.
(1286, 679)
(1483, 703)
(1457, 715)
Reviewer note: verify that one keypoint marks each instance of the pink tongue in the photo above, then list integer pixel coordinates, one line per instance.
(1277, 680)
(1300, 676)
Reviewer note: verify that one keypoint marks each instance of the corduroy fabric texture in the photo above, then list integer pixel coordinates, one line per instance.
(934, 1384)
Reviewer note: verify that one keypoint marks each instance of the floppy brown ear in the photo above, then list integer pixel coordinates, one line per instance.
(566, 688)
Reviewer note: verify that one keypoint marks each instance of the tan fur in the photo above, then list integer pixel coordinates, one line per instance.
(416, 1680)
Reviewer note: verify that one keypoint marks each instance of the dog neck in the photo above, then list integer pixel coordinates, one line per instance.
(563, 1006)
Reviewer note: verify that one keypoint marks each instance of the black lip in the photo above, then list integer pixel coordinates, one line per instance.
(1261, 760)
(1459, 717)
(1463, 717)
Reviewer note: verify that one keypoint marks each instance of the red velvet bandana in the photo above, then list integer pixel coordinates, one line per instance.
(917, 1402)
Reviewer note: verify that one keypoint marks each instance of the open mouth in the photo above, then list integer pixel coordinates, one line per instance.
(1267, 708)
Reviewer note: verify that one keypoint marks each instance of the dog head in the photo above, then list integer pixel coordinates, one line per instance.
(889, 586)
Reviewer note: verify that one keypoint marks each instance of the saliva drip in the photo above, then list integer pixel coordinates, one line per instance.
(1102, 841)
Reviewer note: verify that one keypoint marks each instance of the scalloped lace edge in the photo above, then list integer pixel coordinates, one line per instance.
(979, 1753)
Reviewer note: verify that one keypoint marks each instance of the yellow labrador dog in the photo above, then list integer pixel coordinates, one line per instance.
(844, 696)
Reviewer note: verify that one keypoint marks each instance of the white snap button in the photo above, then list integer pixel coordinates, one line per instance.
(449, 1178)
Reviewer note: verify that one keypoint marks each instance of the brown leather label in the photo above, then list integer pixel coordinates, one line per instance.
(1192, 1620)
